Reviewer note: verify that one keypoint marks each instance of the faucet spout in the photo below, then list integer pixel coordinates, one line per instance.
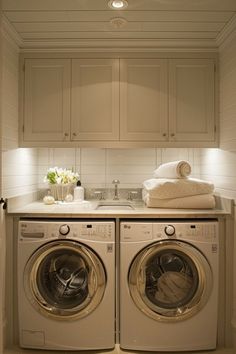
(116, 182)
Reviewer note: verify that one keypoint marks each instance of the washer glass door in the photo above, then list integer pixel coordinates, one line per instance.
(64, 279)
(170, 280)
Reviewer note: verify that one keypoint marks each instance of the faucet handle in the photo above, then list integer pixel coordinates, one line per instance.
(115, 181)
(132, 194)
(99, 195)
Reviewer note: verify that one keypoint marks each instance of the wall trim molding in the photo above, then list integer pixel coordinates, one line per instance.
(10, 33)
(119, 45)
(227, 33)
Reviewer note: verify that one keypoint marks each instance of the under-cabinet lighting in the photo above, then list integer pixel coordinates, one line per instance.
(118, 4)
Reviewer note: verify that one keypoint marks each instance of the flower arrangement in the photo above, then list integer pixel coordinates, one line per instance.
(61, 181)
(56, 175)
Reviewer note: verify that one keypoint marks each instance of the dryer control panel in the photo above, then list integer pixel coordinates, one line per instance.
(191, 231)
(204, 231)
(97, 231)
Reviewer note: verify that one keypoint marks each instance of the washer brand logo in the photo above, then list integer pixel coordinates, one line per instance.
(127, 227)
(214, 248)
(109, 248)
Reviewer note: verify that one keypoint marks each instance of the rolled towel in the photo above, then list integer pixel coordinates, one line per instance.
(202, 201)
(162, 188)
(174, 169)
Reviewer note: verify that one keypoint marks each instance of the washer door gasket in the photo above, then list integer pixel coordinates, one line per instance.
(170, 280)
(64, 280)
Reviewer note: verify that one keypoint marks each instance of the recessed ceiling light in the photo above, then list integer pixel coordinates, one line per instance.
(118, 4)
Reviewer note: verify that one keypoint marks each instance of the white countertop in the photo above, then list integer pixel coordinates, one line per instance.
(88, 210)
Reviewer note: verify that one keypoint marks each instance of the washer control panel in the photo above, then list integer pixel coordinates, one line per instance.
(99, 231)
(202, 231)
(169, 230)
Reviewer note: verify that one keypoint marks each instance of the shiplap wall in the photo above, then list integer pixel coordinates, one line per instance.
(98, 167)
(19, 166)
(219, 165)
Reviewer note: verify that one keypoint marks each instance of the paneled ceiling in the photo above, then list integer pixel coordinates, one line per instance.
(54, 23)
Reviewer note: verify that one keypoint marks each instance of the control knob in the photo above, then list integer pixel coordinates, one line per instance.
(169, 230)
(64, 229)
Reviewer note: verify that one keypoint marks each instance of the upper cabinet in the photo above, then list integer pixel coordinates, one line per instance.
(46, 98)
(119, 102)
(95, 99)
(191, 100)
(144, 99)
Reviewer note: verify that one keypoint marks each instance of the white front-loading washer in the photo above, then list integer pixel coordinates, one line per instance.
(66, 284)
(169, 285)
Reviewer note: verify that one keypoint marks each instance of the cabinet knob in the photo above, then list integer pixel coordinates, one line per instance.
(172, 134)
(66, 134)
(74, 134)
(164, 134)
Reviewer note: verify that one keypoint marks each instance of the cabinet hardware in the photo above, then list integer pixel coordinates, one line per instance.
(172, 134)
(4, 202)
(66, 134)
(164, 134)
(74, 134)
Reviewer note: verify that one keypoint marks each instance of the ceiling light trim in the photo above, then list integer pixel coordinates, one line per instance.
(118, 4)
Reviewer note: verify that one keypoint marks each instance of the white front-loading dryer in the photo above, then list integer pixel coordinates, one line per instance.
(66, 284)
(168, 285)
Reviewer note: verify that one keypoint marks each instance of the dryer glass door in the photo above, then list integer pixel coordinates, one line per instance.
(170, 280)
(65, 279)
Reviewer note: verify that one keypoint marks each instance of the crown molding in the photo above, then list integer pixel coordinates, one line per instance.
(10, 33)
(227, 33)
(112, 45)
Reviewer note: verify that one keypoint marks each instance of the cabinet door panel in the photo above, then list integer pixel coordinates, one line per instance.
(95, 99)
(191, 99)
(143, 99)
(47, 100)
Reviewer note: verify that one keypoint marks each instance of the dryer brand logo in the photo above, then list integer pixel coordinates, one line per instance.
(214, 248)
(109, 248)
(127, 227)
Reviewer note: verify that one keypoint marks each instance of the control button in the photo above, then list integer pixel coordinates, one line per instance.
(169, 230)
(64, 229)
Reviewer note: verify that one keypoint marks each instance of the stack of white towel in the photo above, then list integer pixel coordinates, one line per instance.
(172, 188)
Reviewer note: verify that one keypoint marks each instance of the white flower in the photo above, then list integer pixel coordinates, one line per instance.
(56, 175)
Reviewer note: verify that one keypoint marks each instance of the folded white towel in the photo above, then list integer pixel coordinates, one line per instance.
(162, 188)
(202, 201)
(174, 169)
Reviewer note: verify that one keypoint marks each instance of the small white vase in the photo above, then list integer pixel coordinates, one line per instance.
(60, 191)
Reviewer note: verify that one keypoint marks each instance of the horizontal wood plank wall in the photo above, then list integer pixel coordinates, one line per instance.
(228, 94)
(219, 165)
(18, 165)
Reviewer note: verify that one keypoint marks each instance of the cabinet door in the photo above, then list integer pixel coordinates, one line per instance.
(191, 100)
(144, 100)
(95, 99)
(47, 99)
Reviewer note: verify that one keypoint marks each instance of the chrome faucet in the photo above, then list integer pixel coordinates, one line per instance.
(116, 182)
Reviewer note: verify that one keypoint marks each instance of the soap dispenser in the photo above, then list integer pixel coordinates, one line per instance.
(78, 192)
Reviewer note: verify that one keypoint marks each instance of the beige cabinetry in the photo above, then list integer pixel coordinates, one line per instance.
(144, 99)
(95, 99)
(124, 102)
(167, 100)
(191, 100)
(46, 107)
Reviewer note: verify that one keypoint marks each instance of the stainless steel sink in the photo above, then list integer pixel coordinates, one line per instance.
(114, 206)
